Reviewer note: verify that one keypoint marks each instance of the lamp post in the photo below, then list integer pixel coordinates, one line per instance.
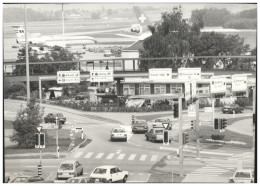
(26, 57)
(57, 136)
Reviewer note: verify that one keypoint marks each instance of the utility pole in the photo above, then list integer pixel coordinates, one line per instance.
(27, 56)
(254, 112)
(197, 128)
(180, 138)
(57, 137)
(62, 15)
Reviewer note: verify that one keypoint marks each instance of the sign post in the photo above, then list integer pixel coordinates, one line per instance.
(180, 138)
(57, 136)
(197, 128)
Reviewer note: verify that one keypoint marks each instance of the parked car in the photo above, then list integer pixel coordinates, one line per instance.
(51, 118)
(242, 176)
(69, 168)
(82, 96)
(118, 134)
(140, 126)
(77, 180)
(232, 108)
(27, 179)
(158, 123)
(156, 134)
(107, 53)
(108, 174)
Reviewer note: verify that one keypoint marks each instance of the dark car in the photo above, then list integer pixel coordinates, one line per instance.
(82, 96)
(140, 126)
(27, 179)
(232, 108)
(51, 118)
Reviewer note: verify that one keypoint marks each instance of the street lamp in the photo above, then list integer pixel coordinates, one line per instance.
(57, 136)
(26, 56)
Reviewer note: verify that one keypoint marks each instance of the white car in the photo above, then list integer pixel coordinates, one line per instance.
(69, 169)
(118, 134)
(108, 174)
(243, 176)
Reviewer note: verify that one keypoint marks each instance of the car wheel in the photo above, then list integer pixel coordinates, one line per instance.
(109, 181)
(45, 121)
(126, 140)
(81, 173)
(154, 140)
(111, 139)
(124, 179)
(147, 139)
(170, 141)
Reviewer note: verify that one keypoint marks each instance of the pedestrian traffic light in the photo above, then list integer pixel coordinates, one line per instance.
(176, 110)
(36, 140)
(166, 137)
(42, 140)
(185, 138)
(223, 123)
(216, 124)
(254, 119)
(193, 124)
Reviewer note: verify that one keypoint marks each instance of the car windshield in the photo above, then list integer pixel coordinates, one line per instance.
(73, 180)
(158, 131)
(242, 175)
(66, 166)
(118, 130)
(100, 171)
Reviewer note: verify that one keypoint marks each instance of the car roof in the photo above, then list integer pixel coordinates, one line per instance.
(106, 167)
(68, 161)
(244, 170)
(118, 128)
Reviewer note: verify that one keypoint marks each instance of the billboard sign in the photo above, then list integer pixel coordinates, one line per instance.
(160, 73)
(187, 91)
(101, 76)
(218, 84)
(189, 73)
(239, 83)
(68, 77)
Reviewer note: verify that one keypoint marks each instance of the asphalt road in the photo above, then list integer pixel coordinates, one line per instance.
(141, 158)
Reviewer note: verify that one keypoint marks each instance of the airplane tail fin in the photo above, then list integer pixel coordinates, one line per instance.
(19, 31)
(141, 17)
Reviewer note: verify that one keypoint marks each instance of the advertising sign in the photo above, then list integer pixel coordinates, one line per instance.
(160, 73)
(239, 83)
(218, 84)
(192, 110)
(101, 76)
(189, 73)
(187, 91)
(68, 77)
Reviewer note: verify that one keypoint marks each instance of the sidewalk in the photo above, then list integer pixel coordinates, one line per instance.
(244, 126)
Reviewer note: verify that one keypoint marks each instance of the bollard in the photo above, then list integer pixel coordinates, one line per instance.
(39, 170)
(133, 119)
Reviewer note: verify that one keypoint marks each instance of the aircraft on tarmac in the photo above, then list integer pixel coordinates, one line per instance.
(38, 39)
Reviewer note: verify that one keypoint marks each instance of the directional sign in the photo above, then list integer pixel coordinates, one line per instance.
(68, 77)
(239, 82)
(39, 129)
(101, 76)
(218, 84)
(192, 110)
(165, 125)
(189, 73)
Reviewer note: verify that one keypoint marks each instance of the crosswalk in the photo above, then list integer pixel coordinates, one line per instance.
(246, 156)
(116, 156)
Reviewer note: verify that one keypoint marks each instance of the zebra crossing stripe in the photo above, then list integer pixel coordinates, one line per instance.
(110, 156)
(200, 175)
(99, 155)
(77, 154)
(88, 155)
(154, 158)
(121, 156)
(132, 157)
(143, 157)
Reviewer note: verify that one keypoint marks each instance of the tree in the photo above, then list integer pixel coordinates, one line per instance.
(26, 123)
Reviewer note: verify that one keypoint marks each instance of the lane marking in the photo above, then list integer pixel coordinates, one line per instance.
(132, 157)
(143, 157)
(77, 154)
(121, 156)
(110, 156)
(154, 158)
(99, 155)
(200, 175)
(89, 154)
(42, 166)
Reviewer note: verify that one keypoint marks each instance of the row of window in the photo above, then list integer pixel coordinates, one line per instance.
(146, 89)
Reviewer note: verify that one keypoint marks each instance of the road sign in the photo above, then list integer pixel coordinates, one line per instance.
(192, 110)
(165, 125)
(78, 130)
(218, 84)
(239, 82)
(189, 73)
(160, 73)
(68, 77)
(208, 109)
(101, 76)
(39, 128)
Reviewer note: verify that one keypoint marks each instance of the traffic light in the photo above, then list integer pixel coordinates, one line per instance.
(166, 136)
(36, 140)
(176, 110)
(223, 123)
(216, 124)
(254, 119)
(185, 138)
(193, 124)
(42, 140)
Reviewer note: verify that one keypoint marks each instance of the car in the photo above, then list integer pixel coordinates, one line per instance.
(77, 180)
(156, 134)
(81, 96)
(69, 168)
(140, 126)
(51, 118)
(118, 133)
(107, 53)
(232, 108)
(242, 176)
(108, 174)
(158, 123)
(27, 179)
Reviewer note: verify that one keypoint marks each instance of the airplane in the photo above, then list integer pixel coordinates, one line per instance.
(52, 40)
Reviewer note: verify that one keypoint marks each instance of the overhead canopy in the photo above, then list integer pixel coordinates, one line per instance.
(157, 96)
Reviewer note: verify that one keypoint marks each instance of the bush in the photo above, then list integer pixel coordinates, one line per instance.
(244, 102)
